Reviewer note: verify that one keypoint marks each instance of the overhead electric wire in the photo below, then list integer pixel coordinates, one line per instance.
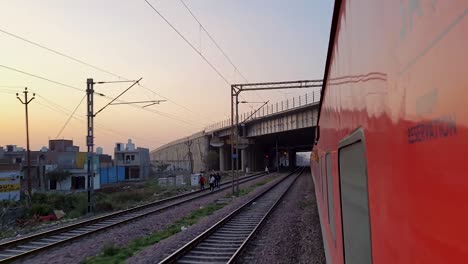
(70, 117)
(189, 43)
(193, 47)
(214, 41)
(58, 53)
(117, 97)
(110, 98)
(65, 111)
(219, 47)
(10, 87)
(8, 92)
(86, 64)
(42, 78)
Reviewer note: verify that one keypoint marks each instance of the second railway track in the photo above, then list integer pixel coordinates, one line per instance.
(225, 241)
(19, 248)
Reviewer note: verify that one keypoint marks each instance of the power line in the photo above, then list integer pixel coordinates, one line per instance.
(8, 92)
(170, 100)
(189, 43)
(42, 78)
(110, 98)
(214, 41)
(69, 118)
(116, 97)
(86, 64)
(58, 53)
(219, 47)
(11, 87)
(82, 119)
(193, 47)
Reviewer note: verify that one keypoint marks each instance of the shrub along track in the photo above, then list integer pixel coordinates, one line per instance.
(44, 241)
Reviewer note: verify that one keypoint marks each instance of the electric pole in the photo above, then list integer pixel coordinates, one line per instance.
(90, 137)
(90, 127)
(26, 103)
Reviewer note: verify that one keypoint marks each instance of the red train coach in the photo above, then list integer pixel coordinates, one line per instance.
(390, 166)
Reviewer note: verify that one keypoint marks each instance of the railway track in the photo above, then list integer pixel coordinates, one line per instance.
(225, 240)
(28, 245)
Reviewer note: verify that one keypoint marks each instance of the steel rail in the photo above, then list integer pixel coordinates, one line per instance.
(239, 251)
(9, 250)
(176, 256)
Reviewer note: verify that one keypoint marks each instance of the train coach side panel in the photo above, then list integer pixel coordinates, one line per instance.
(399, 71)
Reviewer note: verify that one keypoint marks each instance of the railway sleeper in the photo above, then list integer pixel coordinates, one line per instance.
(209, 245)
(206, 259)
(226, 236)
(218, 249)
(199, 262)
(221, 241)
(28, 247)
(213, 252)
(234, 232)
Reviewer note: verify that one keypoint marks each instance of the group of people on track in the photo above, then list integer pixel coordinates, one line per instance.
(214, 180)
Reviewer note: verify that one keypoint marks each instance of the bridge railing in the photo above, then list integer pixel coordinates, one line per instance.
(271, 109)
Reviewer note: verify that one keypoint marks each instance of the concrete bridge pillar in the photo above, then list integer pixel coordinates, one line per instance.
(222, 159)
(244, 159)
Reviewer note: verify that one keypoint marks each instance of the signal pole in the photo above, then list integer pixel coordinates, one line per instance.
(26, 103)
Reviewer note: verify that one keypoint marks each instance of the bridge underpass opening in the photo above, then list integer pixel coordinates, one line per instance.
(277, 151)
(303, 159)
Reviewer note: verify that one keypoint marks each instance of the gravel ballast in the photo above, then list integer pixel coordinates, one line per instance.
(120, 236)
(291, 234)
(158, 252)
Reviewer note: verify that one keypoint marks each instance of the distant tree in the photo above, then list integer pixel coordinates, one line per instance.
(212, 160)
(58, 176)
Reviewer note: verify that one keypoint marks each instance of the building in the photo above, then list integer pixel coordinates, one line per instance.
(135, 161)
(17, 156)
(61, 167)
(12, 154)
(66, 167)
(10, 181)
(62, 145)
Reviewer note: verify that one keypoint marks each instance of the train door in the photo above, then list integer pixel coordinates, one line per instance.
(354, 200)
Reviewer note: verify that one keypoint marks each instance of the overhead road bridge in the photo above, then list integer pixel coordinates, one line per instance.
(268, 137)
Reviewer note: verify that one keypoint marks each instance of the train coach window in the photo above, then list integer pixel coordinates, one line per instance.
(331, 212)
(354, 200)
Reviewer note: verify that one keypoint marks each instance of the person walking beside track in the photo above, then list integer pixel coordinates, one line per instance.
(201, 181)
(212, 182)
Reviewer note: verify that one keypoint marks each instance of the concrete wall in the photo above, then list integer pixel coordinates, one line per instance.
(176, 152)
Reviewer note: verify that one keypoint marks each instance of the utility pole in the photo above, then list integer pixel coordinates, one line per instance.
(232, 138)
(26, 103)
(189, 154)
(237, 145)
(90, 138)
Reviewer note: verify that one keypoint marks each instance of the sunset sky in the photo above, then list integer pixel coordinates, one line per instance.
(268, 40)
